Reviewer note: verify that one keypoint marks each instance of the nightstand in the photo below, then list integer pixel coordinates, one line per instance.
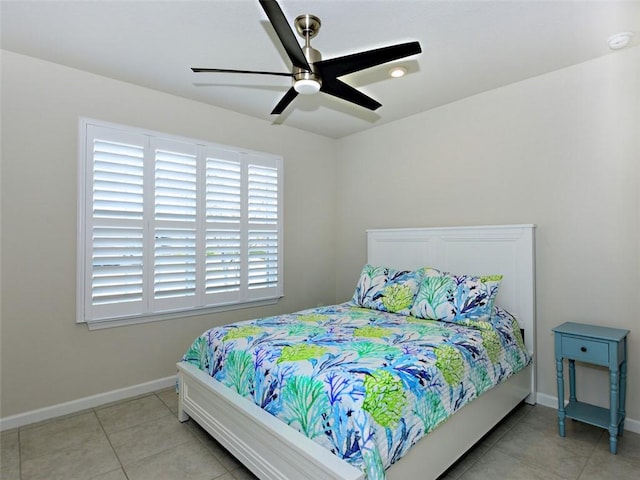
(598, 346)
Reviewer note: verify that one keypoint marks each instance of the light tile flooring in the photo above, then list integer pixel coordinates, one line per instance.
(142, 439)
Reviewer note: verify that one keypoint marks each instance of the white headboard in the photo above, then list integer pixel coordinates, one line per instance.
(506, 250)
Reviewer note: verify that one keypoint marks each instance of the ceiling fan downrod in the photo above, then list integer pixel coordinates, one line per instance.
(307, 82)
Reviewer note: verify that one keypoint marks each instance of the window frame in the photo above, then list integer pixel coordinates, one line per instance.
(200, 303)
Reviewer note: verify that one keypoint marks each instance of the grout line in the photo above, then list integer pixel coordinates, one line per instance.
(593, 450)
(19, 455)
(110, 444)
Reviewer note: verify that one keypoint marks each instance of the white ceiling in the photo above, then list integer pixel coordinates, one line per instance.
(468, 47)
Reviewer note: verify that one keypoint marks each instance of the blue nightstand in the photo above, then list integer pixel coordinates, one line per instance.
(598, 346)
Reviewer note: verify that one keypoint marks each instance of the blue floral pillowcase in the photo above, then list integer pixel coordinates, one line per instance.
(427, 293)
(386, 289)
(455, 298)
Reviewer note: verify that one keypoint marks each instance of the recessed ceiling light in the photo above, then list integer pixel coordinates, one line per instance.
(619, 40)
(397, 72)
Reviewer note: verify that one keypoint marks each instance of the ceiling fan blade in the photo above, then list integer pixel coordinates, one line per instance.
(336, 67)
(227, 70)
(284, 101)
(285, 34)
(339, 89)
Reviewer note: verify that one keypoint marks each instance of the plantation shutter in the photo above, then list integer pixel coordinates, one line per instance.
(170, 225)
(224, 239)
(263, 235)
(114, 234)
(174, 225)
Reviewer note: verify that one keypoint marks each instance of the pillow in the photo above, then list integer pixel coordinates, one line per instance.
(387, 289)
(454, 298)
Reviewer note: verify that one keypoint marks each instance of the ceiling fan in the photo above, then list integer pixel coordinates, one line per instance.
(310, 73)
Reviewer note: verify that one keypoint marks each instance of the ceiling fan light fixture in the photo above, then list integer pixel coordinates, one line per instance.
(306, 86)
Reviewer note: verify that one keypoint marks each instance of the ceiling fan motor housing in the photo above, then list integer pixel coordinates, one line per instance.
(308, 82)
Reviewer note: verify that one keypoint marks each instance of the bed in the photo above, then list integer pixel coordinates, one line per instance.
(273, 450)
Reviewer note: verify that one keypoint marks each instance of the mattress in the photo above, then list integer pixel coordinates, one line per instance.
(363, 383)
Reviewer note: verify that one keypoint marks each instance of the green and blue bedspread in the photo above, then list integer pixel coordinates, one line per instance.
(365, 384)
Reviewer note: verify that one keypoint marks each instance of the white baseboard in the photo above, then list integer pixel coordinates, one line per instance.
(22, 419)
(550, 401)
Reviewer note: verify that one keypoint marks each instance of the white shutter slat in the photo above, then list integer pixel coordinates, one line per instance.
(112, 172)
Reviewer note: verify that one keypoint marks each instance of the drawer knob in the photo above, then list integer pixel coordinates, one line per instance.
(583, 349)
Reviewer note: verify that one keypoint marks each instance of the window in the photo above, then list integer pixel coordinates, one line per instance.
(171, 226)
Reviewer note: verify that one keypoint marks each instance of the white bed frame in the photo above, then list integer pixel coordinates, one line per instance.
(274, 451)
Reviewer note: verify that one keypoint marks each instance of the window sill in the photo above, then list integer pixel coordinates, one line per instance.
(123, 322)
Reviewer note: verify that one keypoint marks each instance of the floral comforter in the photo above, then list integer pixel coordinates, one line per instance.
(365, 384)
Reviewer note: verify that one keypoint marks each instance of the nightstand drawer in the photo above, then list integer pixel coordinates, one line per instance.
(586, 350)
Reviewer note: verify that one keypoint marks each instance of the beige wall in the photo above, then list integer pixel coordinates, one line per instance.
(46, 358)
(561, 151)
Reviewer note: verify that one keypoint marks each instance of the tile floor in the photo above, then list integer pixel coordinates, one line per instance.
(142, 439)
